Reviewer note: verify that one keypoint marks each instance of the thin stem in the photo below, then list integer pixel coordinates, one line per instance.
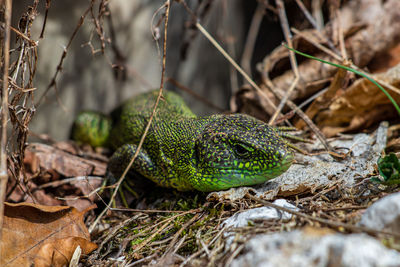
(293, 62)
(234, 64)
(4, 111)
(245, 62)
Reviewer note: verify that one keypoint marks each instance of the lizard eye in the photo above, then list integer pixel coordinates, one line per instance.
(241, 150)
(196, 154)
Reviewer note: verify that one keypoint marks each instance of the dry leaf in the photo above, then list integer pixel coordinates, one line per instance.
(46, 166)
(43, 235)
(66, 164)
(362, 105)
(61, 251)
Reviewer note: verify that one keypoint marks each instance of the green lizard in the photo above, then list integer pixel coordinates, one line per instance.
(184, 151)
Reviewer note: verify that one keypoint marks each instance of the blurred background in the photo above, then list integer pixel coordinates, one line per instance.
(91, 55)
(98, 78)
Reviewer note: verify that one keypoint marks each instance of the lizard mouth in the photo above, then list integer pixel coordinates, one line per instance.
(233, 177)
(286, 162)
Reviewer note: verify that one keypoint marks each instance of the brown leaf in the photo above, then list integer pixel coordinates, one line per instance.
(51, 158)
(44, 235)
(47, 165)
(362, 105)
(386, 60)
(323, 101)
(60, 251)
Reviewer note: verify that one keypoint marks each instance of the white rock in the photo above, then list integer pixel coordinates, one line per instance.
(264, 213)
(383, 214)
(299, 248)
(242, 219)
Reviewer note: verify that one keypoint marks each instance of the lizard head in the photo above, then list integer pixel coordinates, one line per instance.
(238, 150)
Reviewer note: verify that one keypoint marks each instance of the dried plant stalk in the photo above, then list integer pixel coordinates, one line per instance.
(4, 109)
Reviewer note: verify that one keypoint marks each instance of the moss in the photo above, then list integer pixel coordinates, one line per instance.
(137, 241)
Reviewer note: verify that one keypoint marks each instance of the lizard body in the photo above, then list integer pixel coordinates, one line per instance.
(184, 151)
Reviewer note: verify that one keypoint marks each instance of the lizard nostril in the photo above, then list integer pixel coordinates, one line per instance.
(281, 153)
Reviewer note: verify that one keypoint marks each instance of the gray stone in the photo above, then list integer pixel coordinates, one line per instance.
(383, 214)
(249, 217)
(302, 248)
(263, 213)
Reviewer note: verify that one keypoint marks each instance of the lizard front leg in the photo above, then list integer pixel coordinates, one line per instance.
(143, 164)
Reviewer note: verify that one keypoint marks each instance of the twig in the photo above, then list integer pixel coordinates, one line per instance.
(237, 67)
(233, 76)
(245, 62)
(146, 259)
(303, 116)
(234, 254)
(341, 35)
(317, 12)
(213, 254)
(314, 42)
(206, 250)
(64, 54)
(157, 244)
(194, 255)
(118, 184)
(155, 211)
(384, 83)
(120, 66)
(97, 21)
(48, 2)
(23, 90)
(175, 216)
(4, 111)
(68, 181)
(194, 94)
(312, 98)
(31, 42)
(315, 24)
(113, 231)
(177, 234)
(178, 246)
(309, 17)
(331, 187)
(293, 63)
(345, 208)
(145, 242)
